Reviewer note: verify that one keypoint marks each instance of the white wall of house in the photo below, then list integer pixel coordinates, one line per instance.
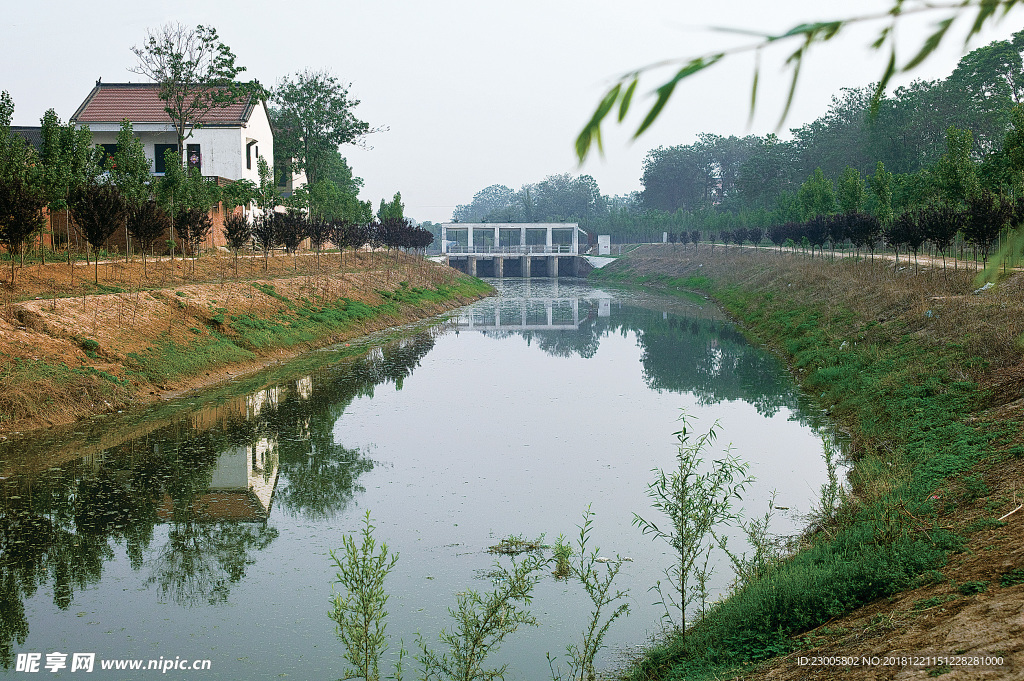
(223, 149)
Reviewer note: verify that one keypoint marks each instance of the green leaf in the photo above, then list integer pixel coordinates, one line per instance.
(890, 69)
(986, 8)
(753, 88)
(627, 98)
(665, 91)
(930, 44)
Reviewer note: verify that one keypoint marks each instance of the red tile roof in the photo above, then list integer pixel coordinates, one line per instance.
(140, 103)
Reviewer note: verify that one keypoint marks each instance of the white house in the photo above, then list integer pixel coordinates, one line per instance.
(228, 143)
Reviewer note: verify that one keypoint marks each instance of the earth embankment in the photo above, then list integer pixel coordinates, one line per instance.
(70, 348)
(922, 374)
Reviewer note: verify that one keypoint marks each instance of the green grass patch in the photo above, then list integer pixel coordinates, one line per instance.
(909, 406)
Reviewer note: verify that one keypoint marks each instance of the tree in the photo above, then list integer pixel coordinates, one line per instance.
(99, 210)
(22, 190)
(22, 200)
(196, 224)
(68, 161)
(266, 229)
(196, 74)
(146, 224)
(956, 176)
(694, 504)
(129, 172)
(851, 191)
(881, 187)
(816, 196)
(312, 118)
(392, 209)
(237, 232)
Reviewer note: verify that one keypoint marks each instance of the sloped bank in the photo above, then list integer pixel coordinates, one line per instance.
(926, 380)
(67, 358)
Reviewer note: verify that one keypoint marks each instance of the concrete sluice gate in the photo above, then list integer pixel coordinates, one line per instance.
(524, 266)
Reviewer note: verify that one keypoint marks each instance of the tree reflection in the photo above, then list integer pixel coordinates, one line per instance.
(201, 560)
(208, 478)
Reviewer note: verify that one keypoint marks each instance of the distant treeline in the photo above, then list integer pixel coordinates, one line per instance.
(951, 147)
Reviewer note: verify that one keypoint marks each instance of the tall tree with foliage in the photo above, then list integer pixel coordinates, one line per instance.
(130, 172)
(851, 191)
(196, 73)
(816, 196)
(313, 116)
(956, 174)
(68, 160)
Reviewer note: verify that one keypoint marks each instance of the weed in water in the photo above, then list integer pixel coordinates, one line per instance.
(359, 610)
(695, 503)
(513, 545)
(598, 585)
(482, 622)
(562, 552)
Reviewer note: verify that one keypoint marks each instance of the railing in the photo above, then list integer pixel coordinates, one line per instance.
(565, 249)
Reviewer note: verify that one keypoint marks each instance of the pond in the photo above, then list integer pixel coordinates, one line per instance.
(201, 529)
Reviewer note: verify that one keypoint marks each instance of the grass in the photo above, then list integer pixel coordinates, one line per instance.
(238, 338)
(903, 383)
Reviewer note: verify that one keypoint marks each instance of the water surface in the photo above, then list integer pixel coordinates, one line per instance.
(202, 529)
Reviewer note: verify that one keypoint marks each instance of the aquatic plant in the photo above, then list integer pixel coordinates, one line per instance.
(359, 610)
(694, 503)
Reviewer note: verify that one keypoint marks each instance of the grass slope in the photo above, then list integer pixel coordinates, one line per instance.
(907, 391)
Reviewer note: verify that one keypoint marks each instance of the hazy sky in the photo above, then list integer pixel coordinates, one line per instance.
(473, 92)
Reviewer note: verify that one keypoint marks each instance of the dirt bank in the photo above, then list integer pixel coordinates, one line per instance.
(926, 379)
(148, 333)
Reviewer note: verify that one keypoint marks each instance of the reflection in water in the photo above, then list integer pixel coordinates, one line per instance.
(209, 481)
(688, 346)
(187, 502)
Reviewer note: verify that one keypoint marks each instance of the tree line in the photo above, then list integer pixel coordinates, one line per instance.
(947, 146)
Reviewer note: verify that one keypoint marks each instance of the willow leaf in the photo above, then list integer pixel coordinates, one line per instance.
(930, 44)
(627, 98)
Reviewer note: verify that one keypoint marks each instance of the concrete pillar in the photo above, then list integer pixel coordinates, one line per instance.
(497, 239)
(547, 239)
(499, 266)
(575, 239)
(547, 309)
(444, 239)
(553, 266)
(471, 266)
(469, 244)
(526, 265)
(575, 312)
(522, 244)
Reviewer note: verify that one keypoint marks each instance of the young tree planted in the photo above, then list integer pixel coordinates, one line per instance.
(99, 210)
(147, 224)
(237, 232)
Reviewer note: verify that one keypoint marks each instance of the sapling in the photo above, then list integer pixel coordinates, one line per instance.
(482, 621)
(694, 503)
(359, 610)
(598, 585)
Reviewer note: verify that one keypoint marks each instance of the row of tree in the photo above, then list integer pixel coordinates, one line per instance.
(937, 145)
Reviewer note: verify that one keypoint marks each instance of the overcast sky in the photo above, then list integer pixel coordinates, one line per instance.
(473, 92)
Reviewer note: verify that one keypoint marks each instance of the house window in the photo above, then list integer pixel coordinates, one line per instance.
(248, 154)
(195, 158)
(108, 152)
(158, 149)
